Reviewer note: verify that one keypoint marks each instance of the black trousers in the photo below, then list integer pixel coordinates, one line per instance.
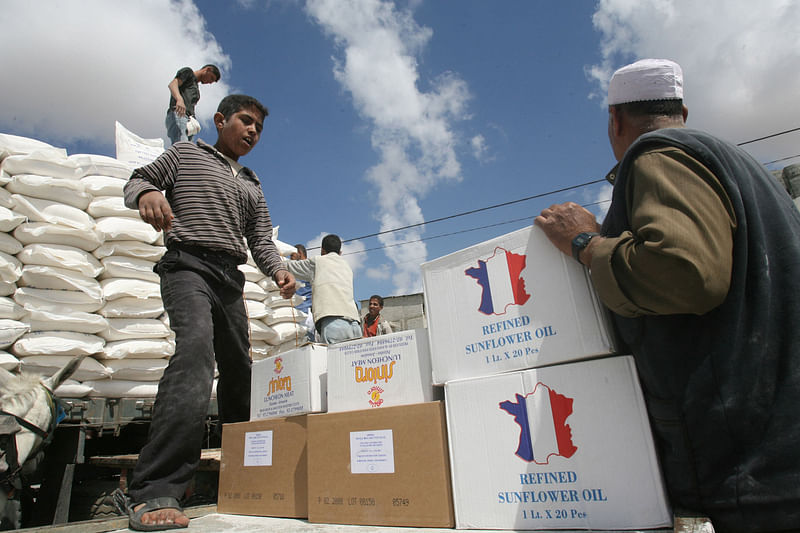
(202, 294)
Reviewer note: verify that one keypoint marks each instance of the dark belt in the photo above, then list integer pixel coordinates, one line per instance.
(216, 257)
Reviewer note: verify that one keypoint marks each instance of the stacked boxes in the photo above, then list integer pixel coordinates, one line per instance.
(288, 384)
(545, 427)
(381, 371)
(380, 467)
(263, 471)
(386, 466)
(546, 431)
(379, 456)
(566, 446)
(510, 303)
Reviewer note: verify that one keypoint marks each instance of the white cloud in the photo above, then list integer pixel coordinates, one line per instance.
(741, 61)
(412, 130)
(70, 69)
(353, 253)
(479, 148)
(379, 273)
(313, 246)
(598, 200)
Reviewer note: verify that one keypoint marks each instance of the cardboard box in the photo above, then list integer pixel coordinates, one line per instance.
(289, 384)
(381, 467)
(562, 447)
(381, 371)
(264, 468)
(511, 303)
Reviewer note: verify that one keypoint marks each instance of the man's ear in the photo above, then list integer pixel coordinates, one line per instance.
(219, 120)
(615, 116)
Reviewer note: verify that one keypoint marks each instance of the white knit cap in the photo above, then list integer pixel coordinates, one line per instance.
(647, 79)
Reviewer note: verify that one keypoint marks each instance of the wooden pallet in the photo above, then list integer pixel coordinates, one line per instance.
(209, 460)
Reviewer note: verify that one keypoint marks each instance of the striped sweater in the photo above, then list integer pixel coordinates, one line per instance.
(212, 209)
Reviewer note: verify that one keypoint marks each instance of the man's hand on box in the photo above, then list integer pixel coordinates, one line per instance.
(563, 222)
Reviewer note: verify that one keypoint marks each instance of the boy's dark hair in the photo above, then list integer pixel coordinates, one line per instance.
(376, 297)
(332, 243)
(233, 103)
(301, 250)
(669, 108)
(213, 69)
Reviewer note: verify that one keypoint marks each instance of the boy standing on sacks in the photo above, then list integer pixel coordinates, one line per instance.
(212, 205)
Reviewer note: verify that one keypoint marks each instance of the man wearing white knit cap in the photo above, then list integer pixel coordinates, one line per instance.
(698, 259)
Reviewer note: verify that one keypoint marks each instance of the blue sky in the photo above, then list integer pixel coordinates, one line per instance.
(389, 114)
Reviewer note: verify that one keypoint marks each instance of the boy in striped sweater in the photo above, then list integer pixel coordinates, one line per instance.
(210, 207)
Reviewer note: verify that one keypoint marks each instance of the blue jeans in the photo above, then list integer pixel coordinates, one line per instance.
(176, 127)
(202, 294)
(333, 329)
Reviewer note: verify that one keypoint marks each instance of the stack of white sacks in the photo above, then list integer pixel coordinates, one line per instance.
(275, 325)
(76, 277)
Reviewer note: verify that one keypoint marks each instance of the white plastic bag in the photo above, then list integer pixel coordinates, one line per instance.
(136, 151)
(61, 256)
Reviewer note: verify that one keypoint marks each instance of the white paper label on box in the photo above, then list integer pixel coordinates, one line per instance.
(372, 452)
(258, 448)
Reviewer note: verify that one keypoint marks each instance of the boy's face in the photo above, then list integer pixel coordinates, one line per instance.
(207, 76)
(239, 133)
(374, 307)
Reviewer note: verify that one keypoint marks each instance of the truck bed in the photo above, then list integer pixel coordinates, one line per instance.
(207, 520)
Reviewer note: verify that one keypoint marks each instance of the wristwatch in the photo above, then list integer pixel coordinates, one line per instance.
(580, 242)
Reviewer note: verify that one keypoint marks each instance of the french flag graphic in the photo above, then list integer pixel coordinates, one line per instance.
(541, 416)
(501, 281)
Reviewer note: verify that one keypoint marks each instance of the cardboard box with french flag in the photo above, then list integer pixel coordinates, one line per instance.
(511, 303)
(562, 447)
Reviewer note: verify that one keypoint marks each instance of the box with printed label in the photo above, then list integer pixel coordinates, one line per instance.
(264, 468)
(291, 383)
(511, 303)
(562, 447)
(383, 371)
(380, 467)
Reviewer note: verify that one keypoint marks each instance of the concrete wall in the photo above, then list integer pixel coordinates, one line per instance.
(789, 177)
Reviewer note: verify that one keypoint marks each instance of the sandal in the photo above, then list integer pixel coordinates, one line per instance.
(135, 517)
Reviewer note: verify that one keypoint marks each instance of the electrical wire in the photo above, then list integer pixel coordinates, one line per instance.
(438, 236)
(512, 202)
(471, 212)
(459, 232)
(768, 136)
(781, 159)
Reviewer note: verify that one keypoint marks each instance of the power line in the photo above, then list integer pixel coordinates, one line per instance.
(768, 136)
(459, 232)
(512, 202)
(437, 236)
(471, 212)
(781, 159)
(504, 204)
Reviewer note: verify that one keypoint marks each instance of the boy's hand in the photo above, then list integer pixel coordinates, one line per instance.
(286, 282)
(180, 107)
(155, 210)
